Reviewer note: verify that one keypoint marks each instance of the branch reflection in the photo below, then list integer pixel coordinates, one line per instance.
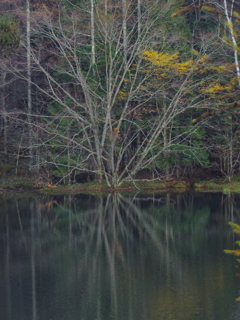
(115, 256)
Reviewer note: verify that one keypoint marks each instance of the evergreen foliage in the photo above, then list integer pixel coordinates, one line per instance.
(10, 36)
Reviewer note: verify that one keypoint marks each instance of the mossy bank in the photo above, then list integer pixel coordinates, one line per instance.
(20, 184)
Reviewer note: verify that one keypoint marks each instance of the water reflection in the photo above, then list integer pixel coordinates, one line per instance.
(118, 257)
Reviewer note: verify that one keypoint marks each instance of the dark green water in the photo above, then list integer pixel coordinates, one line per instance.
(133, 257)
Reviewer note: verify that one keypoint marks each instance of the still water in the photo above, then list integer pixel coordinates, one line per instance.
(112, 257)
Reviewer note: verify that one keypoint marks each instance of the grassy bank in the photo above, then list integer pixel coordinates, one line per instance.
(32, 183)
(218, 186)
(20, 184)
(180, 186)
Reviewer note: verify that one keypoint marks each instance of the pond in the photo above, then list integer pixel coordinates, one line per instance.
(118, 256)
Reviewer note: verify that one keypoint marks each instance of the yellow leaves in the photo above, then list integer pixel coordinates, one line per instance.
(179, 12)
(229, 24)
(184, 67)
(236, 229)
(188, 9)
(213, 89)
(208, 9)
(50, 185)
(203, 58)
(192, 8)
(165, 65)
(168, 62)
(194, 52)
(220, 68)
(202, 116)
(234, 81)
(216, 88)
(235, 226)
(41, 184)
(122, 95)
(163, 75)
(159, 59)
(236, 14)
(234, 252)
(168, 66)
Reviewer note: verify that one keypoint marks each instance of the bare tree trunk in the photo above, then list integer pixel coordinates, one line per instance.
(165, 144)
(29, 79)
(124, 29)
(4, 111)
(139, 17)
(228, 16)
(33, 267)
(93, 53)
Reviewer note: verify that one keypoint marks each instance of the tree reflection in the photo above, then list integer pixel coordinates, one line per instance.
(112, 256)
(107, 235)
(236, 252)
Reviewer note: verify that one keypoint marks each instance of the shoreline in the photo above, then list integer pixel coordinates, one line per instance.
(26, 184)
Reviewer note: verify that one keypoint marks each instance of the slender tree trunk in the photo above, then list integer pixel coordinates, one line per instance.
(165, 144)
(233, 37)
(7, 273)
(29, 78)
(139, 17)
(4, 111)
(33, 268)
(93, 54)
(124, 28)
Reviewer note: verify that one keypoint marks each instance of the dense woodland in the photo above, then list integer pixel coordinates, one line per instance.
(118, 90)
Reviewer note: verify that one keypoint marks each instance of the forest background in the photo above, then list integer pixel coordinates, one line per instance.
(118, 90)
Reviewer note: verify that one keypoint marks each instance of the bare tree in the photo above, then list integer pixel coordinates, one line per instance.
(97, 116)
